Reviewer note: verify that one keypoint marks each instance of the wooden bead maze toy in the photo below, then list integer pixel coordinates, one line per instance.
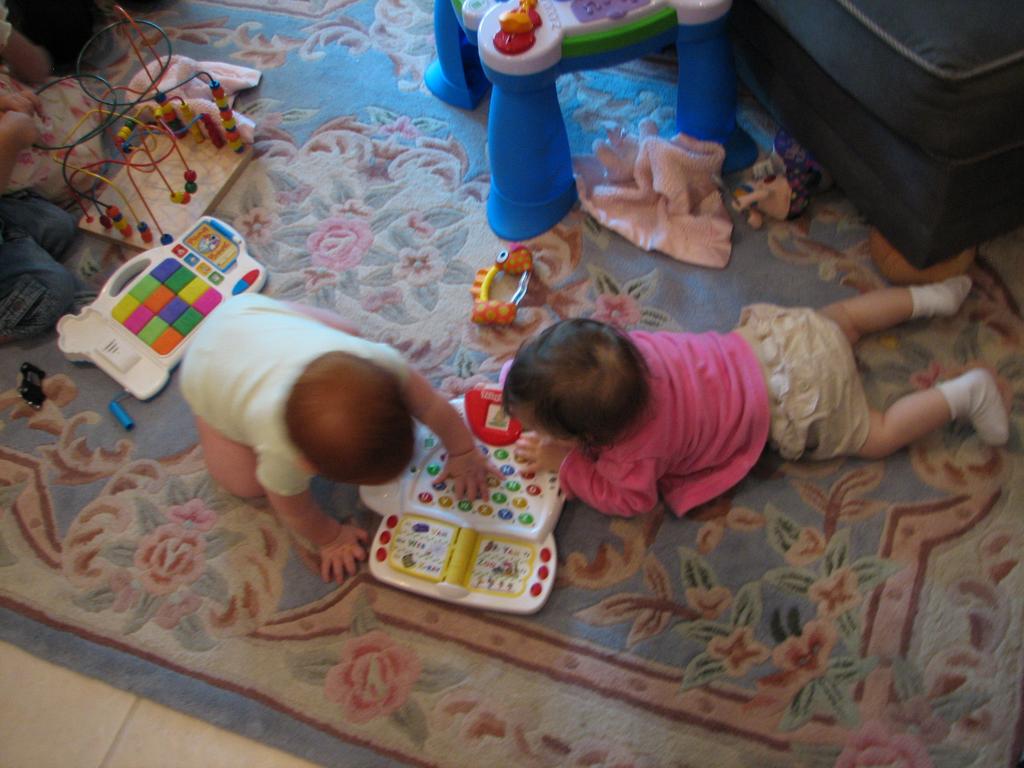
(173, 158)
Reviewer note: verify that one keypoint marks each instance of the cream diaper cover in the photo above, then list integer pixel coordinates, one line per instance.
(818, 407)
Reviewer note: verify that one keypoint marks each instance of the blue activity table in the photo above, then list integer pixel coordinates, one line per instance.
(532, 184)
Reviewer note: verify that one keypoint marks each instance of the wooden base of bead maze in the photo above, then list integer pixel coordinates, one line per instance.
(217, 170)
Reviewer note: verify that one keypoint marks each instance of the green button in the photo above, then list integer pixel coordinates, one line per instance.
(526, 518)
(501, 453)
(145, 287)
(152, 330)
(513, 485)
(499, 498)
(189, 319)
(433, 469)
(179, 279)
(465, 505)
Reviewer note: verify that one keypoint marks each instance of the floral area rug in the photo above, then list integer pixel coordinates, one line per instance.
(846, 613)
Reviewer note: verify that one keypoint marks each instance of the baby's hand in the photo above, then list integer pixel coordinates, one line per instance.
(469, 470)
(27, 103)
(541, 454)
(338, 558)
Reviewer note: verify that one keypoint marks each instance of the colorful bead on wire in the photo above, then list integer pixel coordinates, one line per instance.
(227, 117)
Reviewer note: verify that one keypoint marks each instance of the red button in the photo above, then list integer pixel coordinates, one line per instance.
(385, 537)
(545, 554)
(382, 554)
(180, 250)
(542, 572)
(392, 521)
(536, 589)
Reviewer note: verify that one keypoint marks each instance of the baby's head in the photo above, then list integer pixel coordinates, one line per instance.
(348, 418)
(579, 380)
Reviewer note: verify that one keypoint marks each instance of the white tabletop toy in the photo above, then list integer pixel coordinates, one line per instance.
(137, 329)
(494, 553)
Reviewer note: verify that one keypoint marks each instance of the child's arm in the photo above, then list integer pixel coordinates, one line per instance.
(28, 62)
(340, 545)
(625, 489)
(17, 132)
(466, 464)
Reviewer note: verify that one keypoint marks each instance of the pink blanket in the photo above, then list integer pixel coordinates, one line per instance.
(196, 92)
(659, 194)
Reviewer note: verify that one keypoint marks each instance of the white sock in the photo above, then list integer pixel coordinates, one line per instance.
(942, 299)
(974, 395)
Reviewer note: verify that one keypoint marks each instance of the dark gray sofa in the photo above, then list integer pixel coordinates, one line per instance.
(916, 107)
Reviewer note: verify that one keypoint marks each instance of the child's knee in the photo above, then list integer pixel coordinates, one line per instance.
(59, 232)
(35, 302)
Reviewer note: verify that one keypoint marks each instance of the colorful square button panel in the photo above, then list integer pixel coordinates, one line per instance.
(138, 327)
(165, 305)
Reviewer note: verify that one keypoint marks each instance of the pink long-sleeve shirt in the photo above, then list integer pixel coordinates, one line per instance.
(706, 426)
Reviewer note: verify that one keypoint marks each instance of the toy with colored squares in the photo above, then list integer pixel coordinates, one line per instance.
(495, 553)
(166, 156)
(137, 329)
(517, 260)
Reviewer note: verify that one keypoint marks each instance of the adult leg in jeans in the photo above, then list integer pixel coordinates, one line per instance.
(34, 289)
(26, 214)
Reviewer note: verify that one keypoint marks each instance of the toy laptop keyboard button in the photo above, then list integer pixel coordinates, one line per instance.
(179, 279)
(124, 308)
(206, 303)
(138, 319)
(249, 278)
(166, 342)
(165, 269)
(144, 287)
(174, 309)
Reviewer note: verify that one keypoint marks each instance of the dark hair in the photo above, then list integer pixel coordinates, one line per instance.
(582, 379)
(349, 419)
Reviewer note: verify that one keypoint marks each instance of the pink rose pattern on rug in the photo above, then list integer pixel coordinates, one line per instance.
(818, 615)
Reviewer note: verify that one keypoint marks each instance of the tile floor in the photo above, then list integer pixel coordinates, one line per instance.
(51, 717)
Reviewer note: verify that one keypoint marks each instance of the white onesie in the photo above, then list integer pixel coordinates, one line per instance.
(241, 365)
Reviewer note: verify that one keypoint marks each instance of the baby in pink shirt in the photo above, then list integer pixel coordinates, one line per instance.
(626, 418)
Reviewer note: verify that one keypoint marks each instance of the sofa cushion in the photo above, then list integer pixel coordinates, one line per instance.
(945, 75)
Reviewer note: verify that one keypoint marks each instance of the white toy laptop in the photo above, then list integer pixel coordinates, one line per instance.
(495, 553)
(136, 330)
